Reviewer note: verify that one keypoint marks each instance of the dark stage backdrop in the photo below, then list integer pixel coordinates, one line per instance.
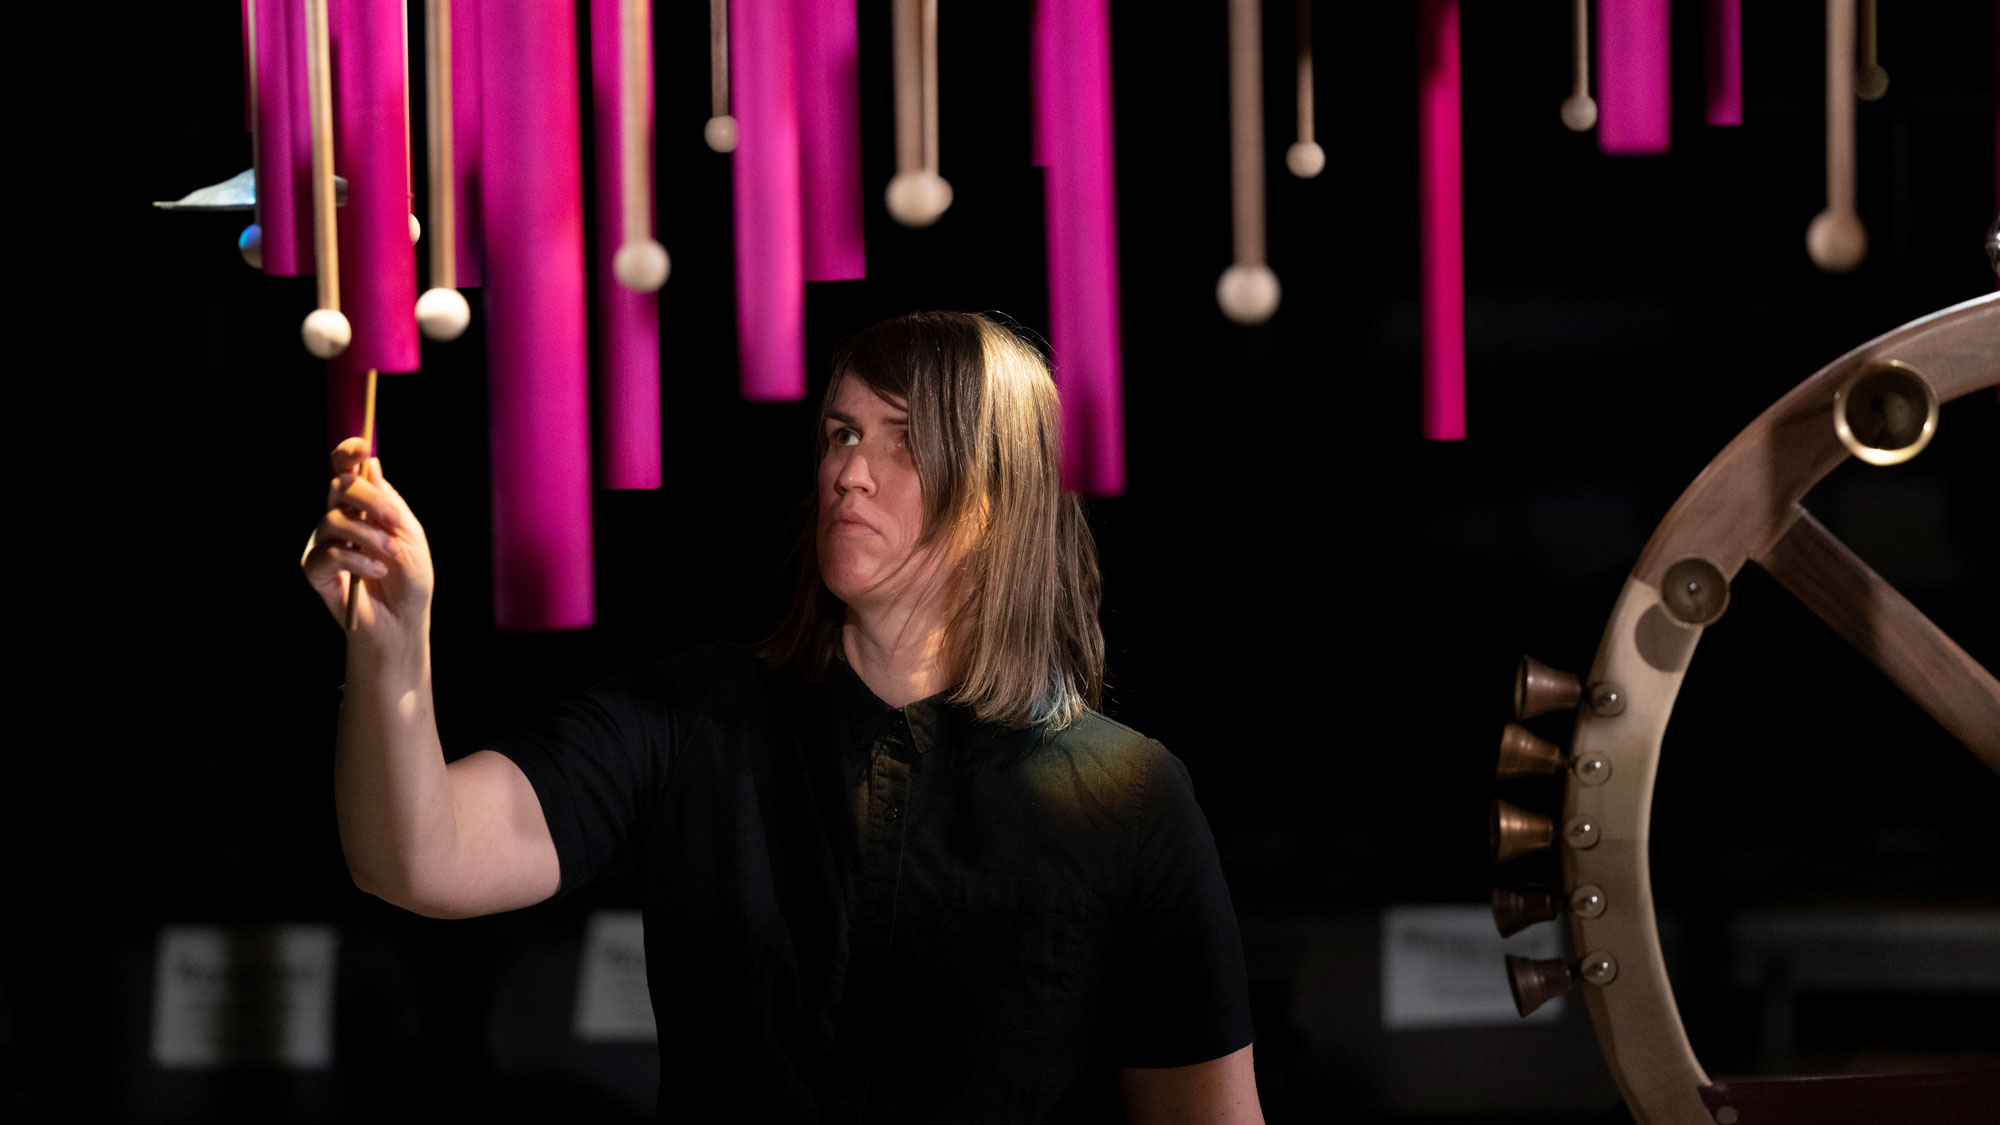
(1314, 608)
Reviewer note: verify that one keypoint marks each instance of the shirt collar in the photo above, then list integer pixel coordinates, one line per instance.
(854, 716)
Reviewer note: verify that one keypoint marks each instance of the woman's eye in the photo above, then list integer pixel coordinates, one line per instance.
(845, 436)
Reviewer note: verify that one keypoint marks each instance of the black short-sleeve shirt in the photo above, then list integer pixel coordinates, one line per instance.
(858, 912)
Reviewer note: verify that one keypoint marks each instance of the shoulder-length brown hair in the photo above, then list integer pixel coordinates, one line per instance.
(986, 433)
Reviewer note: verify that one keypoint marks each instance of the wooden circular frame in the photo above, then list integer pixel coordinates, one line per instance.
(1746, 506)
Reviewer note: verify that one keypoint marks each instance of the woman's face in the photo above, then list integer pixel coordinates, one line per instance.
(871, 506)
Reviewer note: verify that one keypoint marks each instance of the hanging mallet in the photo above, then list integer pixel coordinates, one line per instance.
(326, 331)
(720, 132)
(1305, 159)
(1836, 240)
(1248, 291)
(917, 195)
(1579, 112)
(641, 264)
(442, 313)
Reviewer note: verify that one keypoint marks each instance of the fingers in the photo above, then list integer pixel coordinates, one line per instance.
(370, 496)
(339, 528)
(354, 562)
(348, 454)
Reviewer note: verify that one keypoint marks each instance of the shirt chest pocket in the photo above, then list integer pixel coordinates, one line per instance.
(1016, 948)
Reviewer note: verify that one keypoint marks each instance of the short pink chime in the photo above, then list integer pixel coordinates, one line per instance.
(1634, 91)
(1072, 77)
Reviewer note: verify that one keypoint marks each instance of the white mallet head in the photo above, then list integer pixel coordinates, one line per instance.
(1305, 159)
(416, 230)
(916, 199)
(720, 133)
(1247, 294)
(1579, 113)
(326, 333)
(641, 266)
(1871, 83)
(442, 314)
(1837, 241)
(250, 244)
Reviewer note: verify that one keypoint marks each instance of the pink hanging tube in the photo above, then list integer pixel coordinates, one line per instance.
(628, 323)
(284, 140)
(1073, 126)
(1440, 179)
(829, 68)
(532, 193)
(1633, 94)
(1724, 37)
(468, 253)
(378, 265)
(770, 277)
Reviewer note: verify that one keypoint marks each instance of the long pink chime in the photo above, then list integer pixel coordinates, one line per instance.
(828, 48)
(1724, 73)
(770, 278)
(1633, 89)
(629, 263)
(1072, 72)
(468, 243)
(283, 139)
(1441, 219)
(531, 191)
(378, 279)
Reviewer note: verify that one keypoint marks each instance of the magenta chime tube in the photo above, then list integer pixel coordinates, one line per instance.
(628, 322)
(827, 40)
(1441, 219)
(770, 278)
(1072, 74)
(532, 193)
(1633, 94)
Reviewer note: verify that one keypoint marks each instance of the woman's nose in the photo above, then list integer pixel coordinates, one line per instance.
(854, 472)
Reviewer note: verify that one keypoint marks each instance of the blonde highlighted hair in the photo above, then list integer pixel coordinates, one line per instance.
(985, 433)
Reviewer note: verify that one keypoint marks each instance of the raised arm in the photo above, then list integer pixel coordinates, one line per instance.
(1217, 1092)
(447, 841)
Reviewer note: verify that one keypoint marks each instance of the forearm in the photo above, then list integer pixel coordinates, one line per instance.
(398, 826)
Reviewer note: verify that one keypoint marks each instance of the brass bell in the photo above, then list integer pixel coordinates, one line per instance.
(1536, 981)
(1516, 831)
(1524, 754)
(1540, 689)
(1885, 414)
(1514, 911)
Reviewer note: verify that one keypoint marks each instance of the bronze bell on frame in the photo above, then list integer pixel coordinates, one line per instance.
(1540, 689)
(1525, 754)
(1514, 911)
(1536, 981)
(1516, 831)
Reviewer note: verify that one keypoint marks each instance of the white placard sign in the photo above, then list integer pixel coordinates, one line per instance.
(226, 996)
(612, 1005)
(1445, 966)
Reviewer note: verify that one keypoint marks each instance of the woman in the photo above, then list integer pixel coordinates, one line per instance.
(894, 867)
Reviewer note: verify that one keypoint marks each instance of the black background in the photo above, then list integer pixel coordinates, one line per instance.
(1314, 608)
